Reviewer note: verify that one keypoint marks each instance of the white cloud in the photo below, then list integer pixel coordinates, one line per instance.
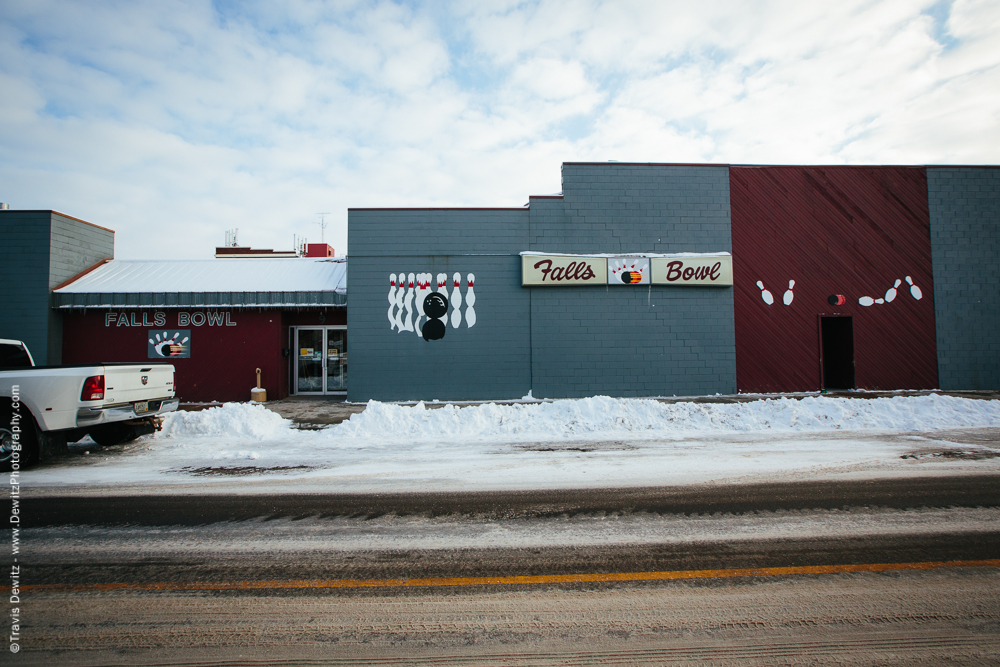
(174, 121)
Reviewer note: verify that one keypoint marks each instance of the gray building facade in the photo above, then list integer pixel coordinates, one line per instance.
(964, 207)
(38, 251)
(555, 342)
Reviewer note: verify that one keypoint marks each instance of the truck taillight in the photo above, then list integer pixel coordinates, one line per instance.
(93, 388)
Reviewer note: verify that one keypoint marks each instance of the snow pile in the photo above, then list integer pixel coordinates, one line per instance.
(602, 417)
(245, 421)
(586, 443)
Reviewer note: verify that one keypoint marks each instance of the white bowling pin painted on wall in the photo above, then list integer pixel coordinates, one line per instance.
(423, 282)
(470, 302)
(442, 283)
(914, 290)
(408, 304)
(787, 298)
(764, 294)
(400, 295)
(890, 294)
(456, 300)
(866, 301)
(392, 301)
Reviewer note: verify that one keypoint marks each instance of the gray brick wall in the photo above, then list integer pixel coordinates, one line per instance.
(557, 342)
(633, 341)
(613, 208)
(76, 246)
(39, 250)
(24, 276)
(488, 361)
(965, 250)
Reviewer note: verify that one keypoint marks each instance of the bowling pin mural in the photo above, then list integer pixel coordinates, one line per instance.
(423, 288)
(408, 305)
(409, 296)
(890, 293)
(456, 301)
(764, 294)
(470, 302)
(392, 301)
(787, 298)
(400, 295)
(768, 298)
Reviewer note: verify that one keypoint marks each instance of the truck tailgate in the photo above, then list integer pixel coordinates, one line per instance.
(131, 383)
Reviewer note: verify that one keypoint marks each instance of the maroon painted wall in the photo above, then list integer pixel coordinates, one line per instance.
(833, 230)
(223, 358)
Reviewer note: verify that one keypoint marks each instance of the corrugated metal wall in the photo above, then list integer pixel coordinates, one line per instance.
(833, 230)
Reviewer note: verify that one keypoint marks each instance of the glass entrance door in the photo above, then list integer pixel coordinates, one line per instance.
(309, 361)
(320, 360)
(336, 360)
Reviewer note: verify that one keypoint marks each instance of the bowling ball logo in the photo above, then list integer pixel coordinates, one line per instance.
(631, 277)
(628, 270)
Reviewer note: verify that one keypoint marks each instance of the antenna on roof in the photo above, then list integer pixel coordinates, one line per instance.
(300, 243)
(322, 225)
(231, 241)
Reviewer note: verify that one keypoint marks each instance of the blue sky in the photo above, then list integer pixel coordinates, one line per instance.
(173, 121)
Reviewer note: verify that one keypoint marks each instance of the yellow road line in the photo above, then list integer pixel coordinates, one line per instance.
(506, 581)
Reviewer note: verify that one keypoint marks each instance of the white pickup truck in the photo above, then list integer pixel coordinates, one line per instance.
(42, 408)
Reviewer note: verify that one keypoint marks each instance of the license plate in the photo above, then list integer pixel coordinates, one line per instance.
(141, 407)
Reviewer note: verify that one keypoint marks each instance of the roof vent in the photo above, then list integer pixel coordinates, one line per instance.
(4, 207)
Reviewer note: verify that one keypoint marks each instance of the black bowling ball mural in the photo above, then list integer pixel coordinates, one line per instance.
(435, 307)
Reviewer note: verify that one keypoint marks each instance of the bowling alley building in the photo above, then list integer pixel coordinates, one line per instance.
(634, 280)
(680, 279)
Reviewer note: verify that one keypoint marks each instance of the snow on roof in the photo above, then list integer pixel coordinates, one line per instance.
(214, 275)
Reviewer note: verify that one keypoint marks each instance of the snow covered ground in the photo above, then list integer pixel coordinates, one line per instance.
(593, 442)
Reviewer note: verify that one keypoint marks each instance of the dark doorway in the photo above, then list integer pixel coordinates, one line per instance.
(838, 352)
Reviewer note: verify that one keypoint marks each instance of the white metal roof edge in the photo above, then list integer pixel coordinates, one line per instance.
(306, 274)
(605, 255)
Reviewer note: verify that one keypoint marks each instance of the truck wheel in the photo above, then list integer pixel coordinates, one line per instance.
(26, 436)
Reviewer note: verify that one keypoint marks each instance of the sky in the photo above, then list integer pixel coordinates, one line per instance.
(174, 121)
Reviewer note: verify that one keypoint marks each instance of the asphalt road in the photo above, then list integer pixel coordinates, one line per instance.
(162, 509)
(850, 572)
